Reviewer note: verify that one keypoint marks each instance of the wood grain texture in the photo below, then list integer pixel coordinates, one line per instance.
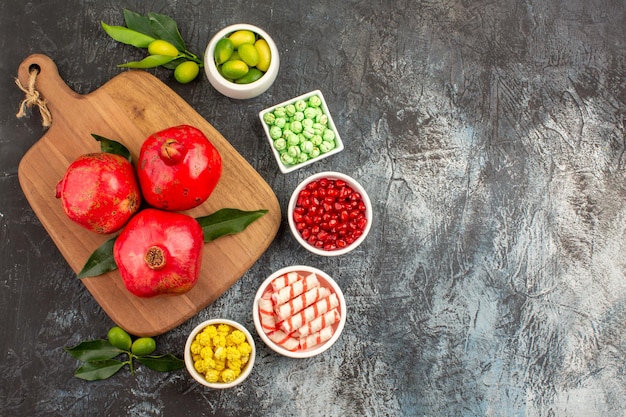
(128, 108)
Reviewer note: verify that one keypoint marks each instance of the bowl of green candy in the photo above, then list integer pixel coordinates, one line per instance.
(301, 131)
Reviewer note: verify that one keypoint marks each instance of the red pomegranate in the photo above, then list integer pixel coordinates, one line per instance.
(99, 191)
(178, 168)
(159, 252)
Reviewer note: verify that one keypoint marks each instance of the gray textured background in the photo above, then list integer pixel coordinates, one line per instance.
(491, 138)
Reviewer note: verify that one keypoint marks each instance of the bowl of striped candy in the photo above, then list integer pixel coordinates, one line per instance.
(299, 311)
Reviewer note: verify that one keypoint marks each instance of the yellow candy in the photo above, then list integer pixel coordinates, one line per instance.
(206, 352)
(228, 375)
(235, 365)
(210, 331)
(219, 365)
(219, 341)
(223, 328)
(237, 337)
(232, 353)
(244, 348)
(201, 366)
(196, 347)
(212, 375)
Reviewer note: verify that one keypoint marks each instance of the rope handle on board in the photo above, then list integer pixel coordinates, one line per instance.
(33, 98)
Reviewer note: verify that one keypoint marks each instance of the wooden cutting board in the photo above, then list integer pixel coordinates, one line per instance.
(129, 108)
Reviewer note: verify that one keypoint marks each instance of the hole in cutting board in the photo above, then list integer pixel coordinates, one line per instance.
(35, 67)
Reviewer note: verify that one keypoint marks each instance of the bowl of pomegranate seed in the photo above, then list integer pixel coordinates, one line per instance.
(329, 213)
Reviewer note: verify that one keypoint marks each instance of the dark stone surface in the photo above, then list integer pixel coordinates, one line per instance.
(490, 136)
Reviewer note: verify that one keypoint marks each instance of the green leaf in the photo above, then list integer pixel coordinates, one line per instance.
(173, 64)
(96, 371)
(127, 36)
(163, 363)
(100, 261)
(139, 23)
(166, 28)
(94, 350)
(227, 221)
(111, 146)
(150, 61)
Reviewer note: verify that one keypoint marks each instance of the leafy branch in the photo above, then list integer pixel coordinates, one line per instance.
(98, 357)
(159, 34)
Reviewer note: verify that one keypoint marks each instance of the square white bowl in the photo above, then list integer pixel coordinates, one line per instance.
(330, 125)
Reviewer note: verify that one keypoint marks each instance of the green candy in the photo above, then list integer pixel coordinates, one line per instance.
(269, 118)
(315, 101)
(280, 144)
(275, 132)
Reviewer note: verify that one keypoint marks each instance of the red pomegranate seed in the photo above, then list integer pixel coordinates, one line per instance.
(323, 236)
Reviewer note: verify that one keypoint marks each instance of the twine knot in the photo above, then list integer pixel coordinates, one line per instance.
(33, 98)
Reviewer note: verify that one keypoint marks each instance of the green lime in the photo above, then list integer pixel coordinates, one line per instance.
(161, 47)
(242, 36)
(119, 338)
(223, 50)
(252, 75)
(219, 69)
(249, 54)
(234, 69)
(186, 72)
(234, 56)
(143, 346)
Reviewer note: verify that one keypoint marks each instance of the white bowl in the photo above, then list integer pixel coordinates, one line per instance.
(325, 281)
(229, 88)
(355, 186)
(330, 125)
(189, 363)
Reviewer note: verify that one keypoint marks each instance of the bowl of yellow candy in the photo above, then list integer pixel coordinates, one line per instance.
(219, 353)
